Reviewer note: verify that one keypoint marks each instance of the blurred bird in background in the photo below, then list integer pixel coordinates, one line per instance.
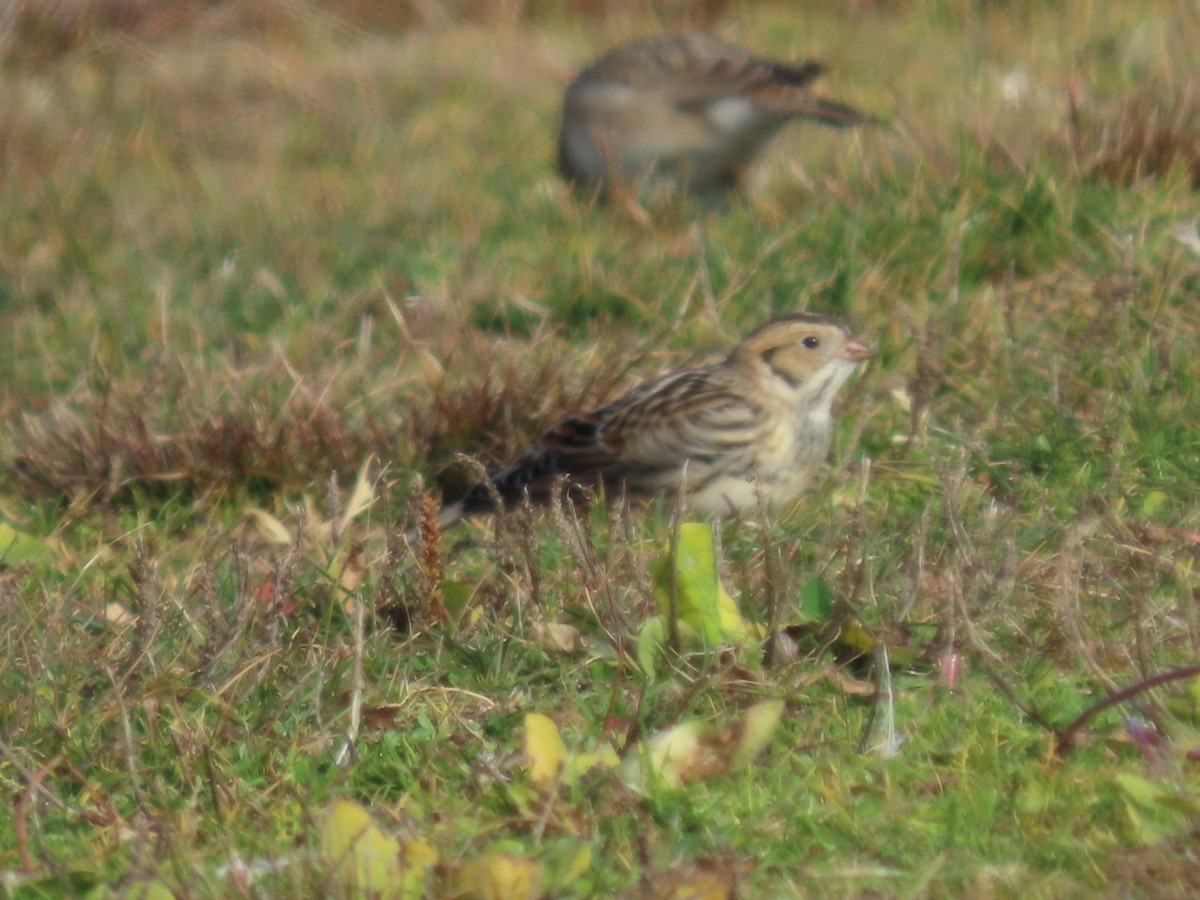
(688, 110)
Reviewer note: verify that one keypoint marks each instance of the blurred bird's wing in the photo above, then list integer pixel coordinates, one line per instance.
(697, 69)
(788, 100)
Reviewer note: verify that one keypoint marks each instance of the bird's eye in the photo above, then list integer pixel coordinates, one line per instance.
(811, 342)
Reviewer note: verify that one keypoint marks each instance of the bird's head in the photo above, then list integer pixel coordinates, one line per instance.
(801, 356)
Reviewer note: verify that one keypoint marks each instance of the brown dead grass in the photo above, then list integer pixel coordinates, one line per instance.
(34, 33)
(121, 443)
(1147, 133)
(1166, 870)
(503, 408)
(192, 431)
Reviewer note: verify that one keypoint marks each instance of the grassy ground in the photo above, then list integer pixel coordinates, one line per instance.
(247, 249)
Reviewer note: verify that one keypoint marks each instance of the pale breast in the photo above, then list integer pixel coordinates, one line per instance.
(780, 470)
(791, 453)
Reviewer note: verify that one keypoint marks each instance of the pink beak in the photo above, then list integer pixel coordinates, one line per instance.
(855, 351)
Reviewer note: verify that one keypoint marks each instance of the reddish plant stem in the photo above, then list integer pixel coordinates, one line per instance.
(1066, 738)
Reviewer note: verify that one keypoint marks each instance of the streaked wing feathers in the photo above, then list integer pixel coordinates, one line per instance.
(691, 416)
(636, 444)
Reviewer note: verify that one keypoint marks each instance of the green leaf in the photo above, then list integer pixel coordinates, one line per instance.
(816, 601)
(1140, 790)
(1153, 502)
(17, 547)
(456, 595)
(1189, 806)
(1153, 810)
(651, 639)
(687, 581)
(75, 883)
(148, 890)
(571, 865)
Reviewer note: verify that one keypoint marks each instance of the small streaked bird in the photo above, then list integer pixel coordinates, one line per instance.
(688, 109)
(753, 426)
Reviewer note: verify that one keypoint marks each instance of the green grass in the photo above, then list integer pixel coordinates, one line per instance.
(246, 248)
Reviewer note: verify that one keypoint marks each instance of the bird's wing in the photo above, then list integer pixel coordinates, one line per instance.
(637, 444)
(697, 69)
(693, 417)
(574, 447)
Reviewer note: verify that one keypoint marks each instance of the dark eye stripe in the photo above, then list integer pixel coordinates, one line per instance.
(768, 357)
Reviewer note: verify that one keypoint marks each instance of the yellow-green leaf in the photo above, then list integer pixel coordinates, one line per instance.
(854, 637)
(651, 639)
(579, 764)
(361, 497)
(147, 890)
(363, 859)
(687, 581)
(574, 868)
(271, 528)
(544, 750)
(366, 862)
(17, 547)
(695, 751)
(1140, 790)
(455, 596)
(755, 732)
(498, 875)
(687, 752)
(1153, 502)
(1181, 803)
